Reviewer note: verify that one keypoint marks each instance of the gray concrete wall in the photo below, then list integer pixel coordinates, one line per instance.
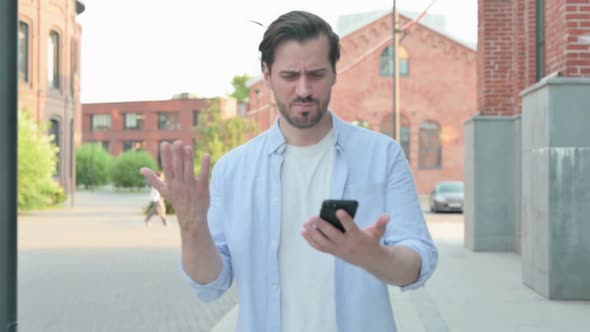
(556, 188)
(489, 183)
(517, 185)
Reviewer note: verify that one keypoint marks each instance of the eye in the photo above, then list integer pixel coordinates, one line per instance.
(289, 77)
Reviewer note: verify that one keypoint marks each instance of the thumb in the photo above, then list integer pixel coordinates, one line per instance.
(378, 229)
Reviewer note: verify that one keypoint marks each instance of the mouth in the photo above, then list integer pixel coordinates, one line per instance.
(303, 107)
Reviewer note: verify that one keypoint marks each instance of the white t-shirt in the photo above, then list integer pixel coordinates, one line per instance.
(307, 275)
(154, 194)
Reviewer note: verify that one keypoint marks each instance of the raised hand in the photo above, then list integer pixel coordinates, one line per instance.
(188, 195)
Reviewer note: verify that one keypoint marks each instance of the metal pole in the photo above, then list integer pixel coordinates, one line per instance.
(8, 159)
(395, 74)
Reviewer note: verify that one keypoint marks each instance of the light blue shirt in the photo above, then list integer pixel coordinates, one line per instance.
(245, 222)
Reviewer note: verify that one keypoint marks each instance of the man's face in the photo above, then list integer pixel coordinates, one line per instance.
(301, 80)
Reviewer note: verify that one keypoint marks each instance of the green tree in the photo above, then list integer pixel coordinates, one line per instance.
(126, 169)
(241, 91)
(37, 159)
(216, 136)
(94, 165)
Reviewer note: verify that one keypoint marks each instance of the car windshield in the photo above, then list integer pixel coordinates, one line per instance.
(451, 187)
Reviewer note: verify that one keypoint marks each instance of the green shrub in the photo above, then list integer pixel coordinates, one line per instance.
(37, 158)
(94, 165)
(126, 167)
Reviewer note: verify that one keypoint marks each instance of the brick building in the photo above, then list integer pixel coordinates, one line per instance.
(437, 93)
(527, 162)
(143, 125)
(49, 73)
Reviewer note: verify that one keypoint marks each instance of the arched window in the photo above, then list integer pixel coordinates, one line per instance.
(53, 60)
(54, 131)
(386, 65)
(430, 156)
(23, 51)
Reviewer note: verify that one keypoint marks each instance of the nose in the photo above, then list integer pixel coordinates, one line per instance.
(303, 88)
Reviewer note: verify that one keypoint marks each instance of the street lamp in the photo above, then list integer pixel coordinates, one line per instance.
(395, 59)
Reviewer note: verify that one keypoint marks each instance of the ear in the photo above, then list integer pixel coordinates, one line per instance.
(266, 72)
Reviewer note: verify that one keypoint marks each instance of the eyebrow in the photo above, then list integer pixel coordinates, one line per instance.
(313, 71)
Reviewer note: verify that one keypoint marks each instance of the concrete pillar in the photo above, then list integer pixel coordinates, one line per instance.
(491, 150)
(556, 187)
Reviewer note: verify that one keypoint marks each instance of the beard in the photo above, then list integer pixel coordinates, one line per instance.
(303, 120)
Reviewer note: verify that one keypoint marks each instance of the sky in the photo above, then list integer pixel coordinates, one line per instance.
(152, 49)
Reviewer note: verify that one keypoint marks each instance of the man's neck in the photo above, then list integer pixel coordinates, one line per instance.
(306, 136)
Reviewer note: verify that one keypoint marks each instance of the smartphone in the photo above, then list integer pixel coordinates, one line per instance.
(330, 206)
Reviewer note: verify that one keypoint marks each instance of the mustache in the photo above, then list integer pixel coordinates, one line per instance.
(304, 100)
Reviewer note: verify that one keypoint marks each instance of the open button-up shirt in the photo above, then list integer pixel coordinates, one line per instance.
(245, 222)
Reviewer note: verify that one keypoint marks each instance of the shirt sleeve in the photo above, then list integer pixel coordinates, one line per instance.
(407, 226)
(213, 290)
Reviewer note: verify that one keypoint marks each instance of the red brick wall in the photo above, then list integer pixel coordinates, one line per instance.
(495, 67)
(565, 21)
(507, 52)
(441, 87)
(46, 103)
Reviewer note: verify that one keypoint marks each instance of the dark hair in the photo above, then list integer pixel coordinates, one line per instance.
(300, 26)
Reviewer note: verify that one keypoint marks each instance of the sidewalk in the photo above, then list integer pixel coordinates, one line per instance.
(473, 291)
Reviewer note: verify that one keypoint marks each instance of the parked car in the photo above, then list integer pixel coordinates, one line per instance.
(447, 196)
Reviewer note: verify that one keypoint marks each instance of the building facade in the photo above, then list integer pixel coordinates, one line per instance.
(437, 89)
(528, 149)
(49, 74)
(143, 125)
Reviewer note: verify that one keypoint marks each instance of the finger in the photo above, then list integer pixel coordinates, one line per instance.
(346, 221)
(378, 228)
(177, 157)
(205, 171)
(319, 238)
(331, 232)
(153, 179)
(311, 242)
(189, 166)
(166, 156)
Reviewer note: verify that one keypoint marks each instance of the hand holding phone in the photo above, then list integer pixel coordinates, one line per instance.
(330, 206)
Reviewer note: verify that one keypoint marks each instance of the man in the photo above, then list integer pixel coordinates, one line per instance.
(258, 220)
(158, 206)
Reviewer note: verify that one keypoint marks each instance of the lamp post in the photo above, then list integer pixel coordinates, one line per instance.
(8, 153)
(395, 58)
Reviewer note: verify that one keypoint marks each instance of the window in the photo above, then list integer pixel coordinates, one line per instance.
(386, 66)
(134, 121)
(106, 145)
(404, 135)
(196, 117)
(132, 145)
(168, 120)
(430, 156)
(101, 122)
(54, 131)
(23, 51)
(53, 60)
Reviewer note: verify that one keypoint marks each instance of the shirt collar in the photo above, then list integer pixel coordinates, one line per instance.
(277, 142)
